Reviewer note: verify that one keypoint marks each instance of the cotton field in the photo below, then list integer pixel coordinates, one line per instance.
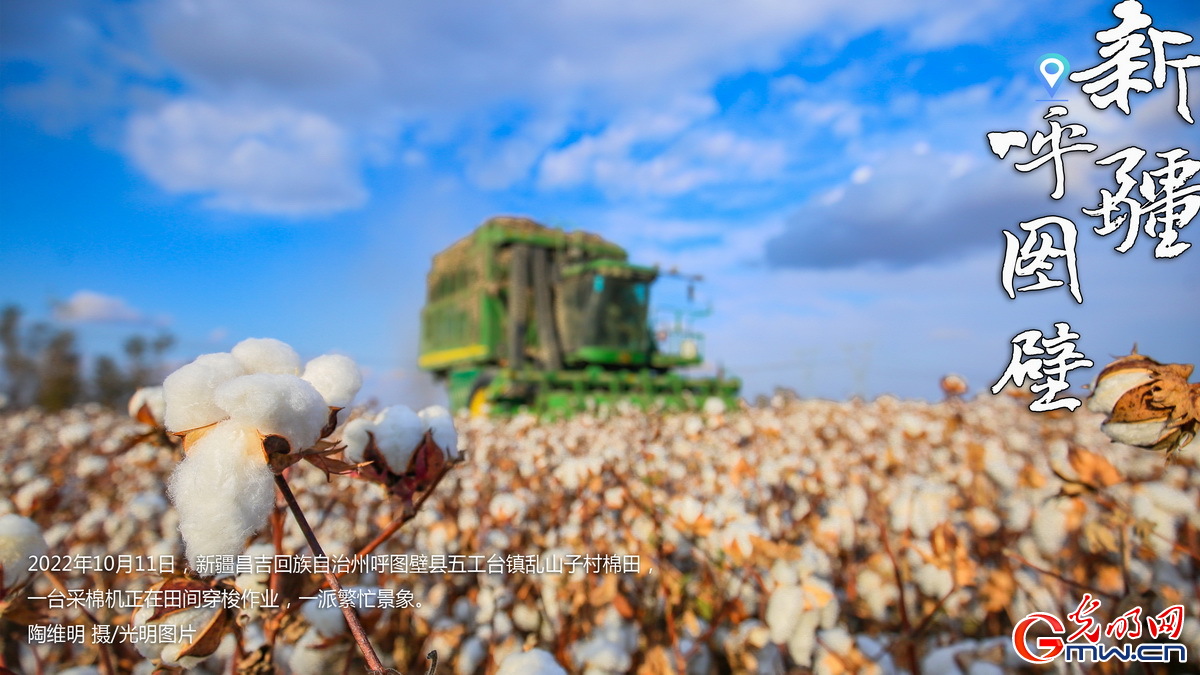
(801, 536)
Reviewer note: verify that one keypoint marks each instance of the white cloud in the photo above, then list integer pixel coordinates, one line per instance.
(321, 88)
(271, 160)
(663, 153)
(89, 306)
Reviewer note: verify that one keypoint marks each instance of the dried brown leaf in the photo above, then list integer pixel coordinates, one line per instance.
(1093, 469)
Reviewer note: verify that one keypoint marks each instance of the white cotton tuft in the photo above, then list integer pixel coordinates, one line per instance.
(714, 406)
(311, 656)
(20, 538)
(471, 654)
(533, 662)
(1049, 530)
(276, 405)
(1106, 391)
(188, 392)
(223, 491)
(934, 581)
(1145, 433)
(784, 609)
(438, 420)
(152, 399)
(192, 620)
(267, 355)
(328, 621)
(336, 377)
(398, 432)
(355, 438)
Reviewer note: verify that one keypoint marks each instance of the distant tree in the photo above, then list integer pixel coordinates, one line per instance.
(109, 385)
(59, 382)
(41, 364)
(145, 359)
(20, 371)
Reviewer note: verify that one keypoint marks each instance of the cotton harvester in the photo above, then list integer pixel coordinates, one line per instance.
(518, 314)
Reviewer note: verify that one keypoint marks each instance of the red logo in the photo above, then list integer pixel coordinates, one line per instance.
(1083, 645)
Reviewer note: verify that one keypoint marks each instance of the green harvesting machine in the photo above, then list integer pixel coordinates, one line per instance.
(518, 314)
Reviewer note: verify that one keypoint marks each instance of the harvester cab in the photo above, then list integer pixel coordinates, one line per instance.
(522, 315)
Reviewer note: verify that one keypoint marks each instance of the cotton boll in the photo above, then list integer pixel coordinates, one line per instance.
(31, 493)
(329, 622)
(597, 655)
(355, 437)
(336, 377)
(92, 465)
(275, 405)
(983, 521)
(19, 538)
(834, 646)
(188, 392)
(1017, 513)
(532, 662)
(57, 534)
(879, 594)
(1145, 433)
(784, 611)
(1106, 390)
(471, 654)
(146, 506)
(267, 355)
(438, 421)
(75, 435)
(1171, 500)
(933, 581)
(526, 618)
(310, 655)
(1049, 530)
(804, 640)
(152, 399)
(398, 432)
(223, 491)
(193, 620)
(506, 506)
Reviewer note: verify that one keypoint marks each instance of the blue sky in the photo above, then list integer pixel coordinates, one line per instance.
(227, 169)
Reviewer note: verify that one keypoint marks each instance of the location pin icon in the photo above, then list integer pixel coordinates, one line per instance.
(1053, 68)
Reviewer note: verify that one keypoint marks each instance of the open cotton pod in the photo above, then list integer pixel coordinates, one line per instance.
(1149, 404)
(1119, 377)
(195, 630)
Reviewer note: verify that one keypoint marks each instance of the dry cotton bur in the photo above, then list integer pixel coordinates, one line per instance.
(801, 536)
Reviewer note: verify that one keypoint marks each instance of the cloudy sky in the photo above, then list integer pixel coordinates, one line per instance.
(226, 169)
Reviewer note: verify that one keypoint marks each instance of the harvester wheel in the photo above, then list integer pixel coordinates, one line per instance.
(477, 402)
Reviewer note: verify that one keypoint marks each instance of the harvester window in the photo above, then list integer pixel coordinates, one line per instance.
(607, 312)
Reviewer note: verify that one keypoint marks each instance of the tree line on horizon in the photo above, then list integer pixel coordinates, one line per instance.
(42, 366)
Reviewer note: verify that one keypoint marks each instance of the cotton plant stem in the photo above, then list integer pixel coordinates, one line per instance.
(910, 647)
(106, 666)
(399, 522)
(352, 620)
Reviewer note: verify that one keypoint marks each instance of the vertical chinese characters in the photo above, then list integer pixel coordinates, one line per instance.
(1055, 357)
(1122, 47)
(1159, 200)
